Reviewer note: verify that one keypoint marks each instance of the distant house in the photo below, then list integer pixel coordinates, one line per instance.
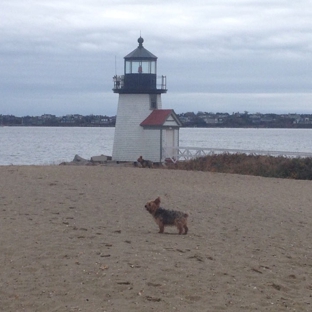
(209, 120)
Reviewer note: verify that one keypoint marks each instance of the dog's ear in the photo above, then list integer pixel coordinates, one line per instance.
(157, 201)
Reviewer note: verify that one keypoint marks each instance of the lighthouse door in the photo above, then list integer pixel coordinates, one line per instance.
(170, 143)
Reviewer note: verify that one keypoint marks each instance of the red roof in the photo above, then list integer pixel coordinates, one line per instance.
(157, 117)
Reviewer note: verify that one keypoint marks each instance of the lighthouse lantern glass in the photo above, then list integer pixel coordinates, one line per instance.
(144, 67)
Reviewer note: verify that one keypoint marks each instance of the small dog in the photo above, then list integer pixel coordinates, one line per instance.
(145, 163)
(164, 217)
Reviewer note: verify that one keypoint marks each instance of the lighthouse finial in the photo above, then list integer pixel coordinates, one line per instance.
(140, 41)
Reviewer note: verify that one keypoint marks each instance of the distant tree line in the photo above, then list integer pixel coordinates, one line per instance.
(49, 120)
(189, 119)
(245, 120)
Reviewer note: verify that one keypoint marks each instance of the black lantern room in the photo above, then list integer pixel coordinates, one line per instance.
(140, 73)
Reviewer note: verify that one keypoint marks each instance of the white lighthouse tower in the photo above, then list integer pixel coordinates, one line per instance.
(142, 128)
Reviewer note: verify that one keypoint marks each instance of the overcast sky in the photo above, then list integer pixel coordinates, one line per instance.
(59, 57)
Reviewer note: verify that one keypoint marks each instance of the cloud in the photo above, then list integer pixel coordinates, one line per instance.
(54, 50)
(239, 102)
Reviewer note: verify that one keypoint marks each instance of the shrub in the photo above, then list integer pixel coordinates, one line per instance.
(258, 165)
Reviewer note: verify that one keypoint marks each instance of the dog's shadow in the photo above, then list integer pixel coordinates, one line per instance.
(165, 233)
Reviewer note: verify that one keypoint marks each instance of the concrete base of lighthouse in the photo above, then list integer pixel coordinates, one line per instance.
(130, 139)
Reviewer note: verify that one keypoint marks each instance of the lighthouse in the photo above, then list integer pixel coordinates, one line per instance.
(142, 127)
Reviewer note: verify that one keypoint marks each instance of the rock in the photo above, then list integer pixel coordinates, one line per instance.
(77, 161)
(77, 158)
(95, 160)
(99, 159)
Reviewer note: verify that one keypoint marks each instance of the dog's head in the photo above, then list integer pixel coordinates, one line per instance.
(140, 159)
(153, 205)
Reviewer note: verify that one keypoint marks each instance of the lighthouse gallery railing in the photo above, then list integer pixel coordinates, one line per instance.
(119, 82)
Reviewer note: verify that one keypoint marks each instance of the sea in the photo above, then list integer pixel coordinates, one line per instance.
(53, 145)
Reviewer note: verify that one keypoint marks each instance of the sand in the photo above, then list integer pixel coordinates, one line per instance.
(78, 238)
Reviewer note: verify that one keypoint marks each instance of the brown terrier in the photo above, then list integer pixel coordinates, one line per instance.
(164, 217)
(145, 163)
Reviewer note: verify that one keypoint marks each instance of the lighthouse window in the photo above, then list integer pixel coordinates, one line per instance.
(153, 101)
(144, 67)
(153, 67)
(128, 68)
(136, 67)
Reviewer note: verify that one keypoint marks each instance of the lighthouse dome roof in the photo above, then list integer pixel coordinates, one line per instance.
(140, 52)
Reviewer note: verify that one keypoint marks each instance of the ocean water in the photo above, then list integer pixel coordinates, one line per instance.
(53, 145)
(290, 140)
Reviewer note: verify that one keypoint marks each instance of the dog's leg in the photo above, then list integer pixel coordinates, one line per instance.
(161, 228)
(185, 229)
(180, 228)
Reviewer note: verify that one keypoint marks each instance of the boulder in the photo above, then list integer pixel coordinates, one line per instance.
(79, 159)
(99, 159)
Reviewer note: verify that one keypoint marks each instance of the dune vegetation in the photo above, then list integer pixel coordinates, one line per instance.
(257, 165)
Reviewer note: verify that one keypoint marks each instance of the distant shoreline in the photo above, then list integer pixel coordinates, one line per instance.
(214, 127)
(188, 120)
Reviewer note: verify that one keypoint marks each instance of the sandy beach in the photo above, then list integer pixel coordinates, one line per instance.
(78, 238)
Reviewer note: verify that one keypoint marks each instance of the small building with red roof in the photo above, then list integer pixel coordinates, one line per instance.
(161, 134)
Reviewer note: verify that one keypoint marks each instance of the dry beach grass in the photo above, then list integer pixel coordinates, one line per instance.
(258, 165)
(77, 238)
